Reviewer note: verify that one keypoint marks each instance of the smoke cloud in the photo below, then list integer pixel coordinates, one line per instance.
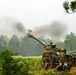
(10, 26)
(19, 26)
(56, 30)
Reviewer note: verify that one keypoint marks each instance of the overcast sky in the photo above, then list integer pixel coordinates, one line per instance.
(35, 13)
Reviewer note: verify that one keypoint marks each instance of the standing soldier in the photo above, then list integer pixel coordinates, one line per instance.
(47, 58)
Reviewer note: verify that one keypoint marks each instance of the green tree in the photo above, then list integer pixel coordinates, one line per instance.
(27, 46)
(14, 44)
(70, 41)
(3, 42)
(70, 7)
(60, 44)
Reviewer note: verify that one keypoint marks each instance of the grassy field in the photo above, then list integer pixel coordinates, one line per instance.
(35, 68)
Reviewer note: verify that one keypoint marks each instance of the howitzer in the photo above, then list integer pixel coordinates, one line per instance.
(48, 54)
(48, 47)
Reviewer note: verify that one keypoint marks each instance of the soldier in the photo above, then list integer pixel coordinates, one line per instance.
(63, 60)
(47, 57)
(62, 56)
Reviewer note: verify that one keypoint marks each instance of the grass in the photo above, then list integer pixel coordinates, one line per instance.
(0, 69)
(35, 63)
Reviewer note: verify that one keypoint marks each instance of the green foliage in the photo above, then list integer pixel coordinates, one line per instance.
(12, 66)
(70, 6)
(73, 5)
(14, 44)
(60, 44)
(34, 65)
(66, 6)
(3, 42)
(26, 66)
(70, 42)
(5, 56)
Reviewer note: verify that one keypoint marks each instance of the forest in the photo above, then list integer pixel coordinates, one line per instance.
(26, 46)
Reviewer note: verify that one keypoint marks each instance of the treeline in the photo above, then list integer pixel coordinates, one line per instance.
(28, 46)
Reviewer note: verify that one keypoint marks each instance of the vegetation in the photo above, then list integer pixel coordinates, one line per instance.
(70, 7)
(11, 65)
(29, 47)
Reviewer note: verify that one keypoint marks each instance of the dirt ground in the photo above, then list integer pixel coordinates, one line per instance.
(73, 71)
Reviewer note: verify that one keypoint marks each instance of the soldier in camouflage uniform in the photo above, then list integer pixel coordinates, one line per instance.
(47, 58)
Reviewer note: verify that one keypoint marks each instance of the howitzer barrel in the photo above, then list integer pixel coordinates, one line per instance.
(30, 35)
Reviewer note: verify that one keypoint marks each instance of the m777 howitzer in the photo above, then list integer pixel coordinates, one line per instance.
(47, 56)
(48, 47)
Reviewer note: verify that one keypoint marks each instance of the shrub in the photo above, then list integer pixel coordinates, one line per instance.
(12, 66)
